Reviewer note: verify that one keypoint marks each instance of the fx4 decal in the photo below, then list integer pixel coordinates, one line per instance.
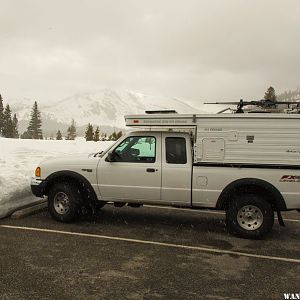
(290, 178)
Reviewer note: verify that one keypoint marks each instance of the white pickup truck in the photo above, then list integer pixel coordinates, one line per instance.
(245, 164)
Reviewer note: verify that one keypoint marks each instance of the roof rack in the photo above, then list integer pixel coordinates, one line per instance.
(167, 111)
(191, 120)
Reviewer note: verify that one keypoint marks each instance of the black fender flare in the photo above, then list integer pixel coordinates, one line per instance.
(236, 185)
(78, 178)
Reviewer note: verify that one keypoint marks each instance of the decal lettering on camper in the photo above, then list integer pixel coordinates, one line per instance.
(290, 178)
(213, 129)
(293, 151)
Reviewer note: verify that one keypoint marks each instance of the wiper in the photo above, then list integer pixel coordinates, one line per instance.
(98, 153)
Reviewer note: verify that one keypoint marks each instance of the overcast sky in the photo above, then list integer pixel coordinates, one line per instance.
(195, 50)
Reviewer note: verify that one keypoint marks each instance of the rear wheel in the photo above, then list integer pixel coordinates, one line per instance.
(64, 202)
(249, 216)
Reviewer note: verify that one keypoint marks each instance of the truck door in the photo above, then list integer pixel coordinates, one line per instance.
(135, 173)
(176, 168)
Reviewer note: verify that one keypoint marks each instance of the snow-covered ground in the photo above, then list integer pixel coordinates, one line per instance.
(19, 158)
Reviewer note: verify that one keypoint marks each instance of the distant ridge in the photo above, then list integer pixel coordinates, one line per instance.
(105, 107)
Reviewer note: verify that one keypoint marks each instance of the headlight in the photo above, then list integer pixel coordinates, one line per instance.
(38, 172)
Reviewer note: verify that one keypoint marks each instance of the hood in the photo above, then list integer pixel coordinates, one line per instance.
(71, 160)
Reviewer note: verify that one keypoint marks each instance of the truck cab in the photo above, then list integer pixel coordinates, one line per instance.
(141, 168)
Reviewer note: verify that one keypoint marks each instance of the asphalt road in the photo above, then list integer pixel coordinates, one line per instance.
(145, 253)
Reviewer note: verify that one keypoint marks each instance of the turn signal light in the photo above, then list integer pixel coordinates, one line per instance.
(38, 172)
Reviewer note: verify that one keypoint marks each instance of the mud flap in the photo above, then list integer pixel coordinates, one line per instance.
(280, 219)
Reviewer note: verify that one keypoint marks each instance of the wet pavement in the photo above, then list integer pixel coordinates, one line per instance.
(146, 253)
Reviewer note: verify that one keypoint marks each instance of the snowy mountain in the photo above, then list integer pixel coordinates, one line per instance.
(105, 108)
(108, 107)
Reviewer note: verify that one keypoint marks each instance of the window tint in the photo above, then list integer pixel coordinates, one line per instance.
(175, 150)
(136, 149)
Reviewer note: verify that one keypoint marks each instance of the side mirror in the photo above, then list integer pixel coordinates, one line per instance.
(110, 156)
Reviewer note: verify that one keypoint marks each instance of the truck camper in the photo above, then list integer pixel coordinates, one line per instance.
(245, 164)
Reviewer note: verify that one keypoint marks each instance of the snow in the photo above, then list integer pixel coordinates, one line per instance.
(18, 160)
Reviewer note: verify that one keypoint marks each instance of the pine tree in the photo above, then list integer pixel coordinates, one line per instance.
(113, 136)
(71, 132)
(15, 127)
(1, 115)
(119, 134)
(25, 135)
(58, 135)
(270, 94)
(7, 130)
(35, 123)
(96, 137)
(103, 136)
(89, 132)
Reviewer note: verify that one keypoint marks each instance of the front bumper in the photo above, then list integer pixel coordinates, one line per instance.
(38, 187)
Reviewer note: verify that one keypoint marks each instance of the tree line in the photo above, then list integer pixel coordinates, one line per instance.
(90, 134)
(94, 135)
(9, 123)
(9, 127)
(34, 130)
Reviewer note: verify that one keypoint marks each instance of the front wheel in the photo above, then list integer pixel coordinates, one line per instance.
(64, 202)
(249, 216)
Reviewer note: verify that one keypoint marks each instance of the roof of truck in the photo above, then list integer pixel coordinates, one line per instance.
(200, 116)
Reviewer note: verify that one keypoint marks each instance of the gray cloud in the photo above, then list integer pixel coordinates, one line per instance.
(199, 50)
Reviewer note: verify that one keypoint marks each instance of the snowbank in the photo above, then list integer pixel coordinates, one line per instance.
(18, 160)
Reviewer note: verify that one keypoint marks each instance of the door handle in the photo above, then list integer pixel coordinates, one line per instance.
(150, 170)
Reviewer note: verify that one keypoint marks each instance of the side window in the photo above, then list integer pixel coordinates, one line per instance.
(136, 149)
(176, 150)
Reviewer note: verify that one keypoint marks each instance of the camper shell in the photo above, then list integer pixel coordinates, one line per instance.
(270, 140)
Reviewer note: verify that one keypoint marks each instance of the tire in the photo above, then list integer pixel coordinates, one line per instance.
(100, 204)
(64, 202)
(249, 216)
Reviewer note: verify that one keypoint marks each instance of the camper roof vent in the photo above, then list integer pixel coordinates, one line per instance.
(167, 111)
